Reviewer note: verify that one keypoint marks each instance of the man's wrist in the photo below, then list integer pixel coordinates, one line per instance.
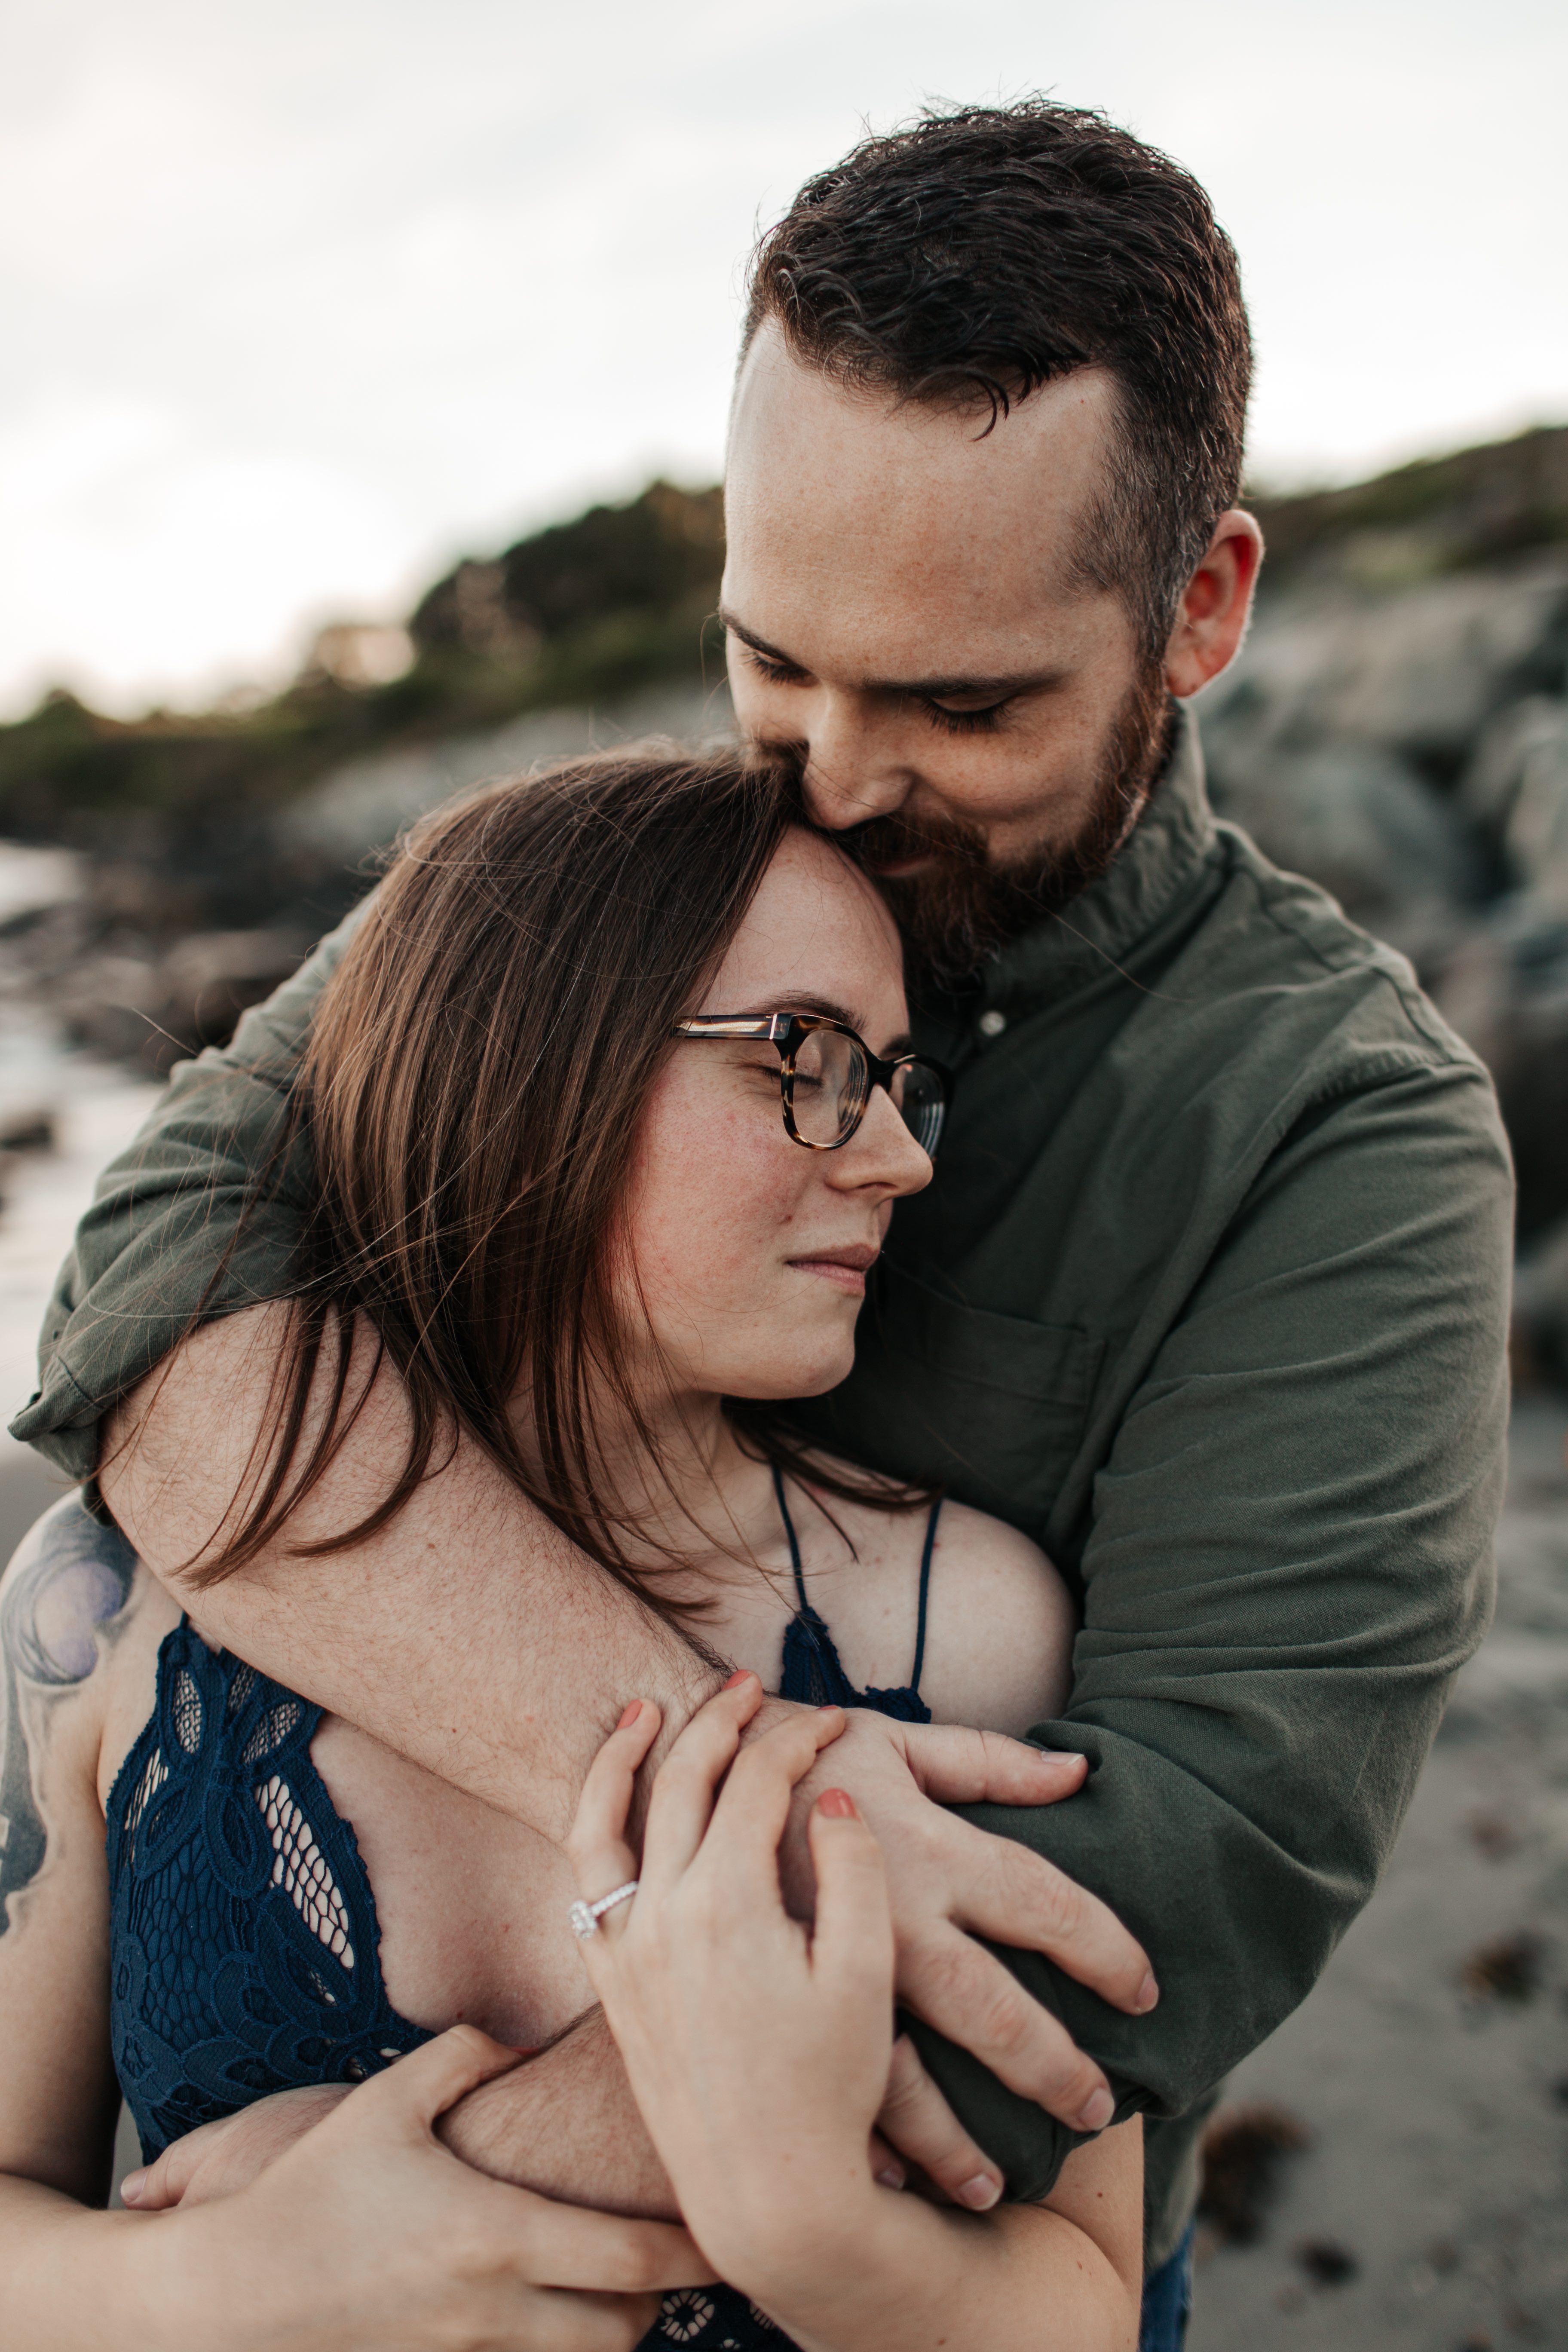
(564, 2124)
(692, 1689)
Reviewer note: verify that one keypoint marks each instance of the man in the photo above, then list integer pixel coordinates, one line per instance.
(1209, 1293)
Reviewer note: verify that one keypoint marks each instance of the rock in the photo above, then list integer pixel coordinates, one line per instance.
(363, 806)
(1418, 673)
(1361, 821)
(156, 1010)
(1325, 2261)
(1507, 1968)
(1242, 2152)
(1516, 789)
(208, 979)
(1541, 1307)
(1504, 987)
(28, 1129)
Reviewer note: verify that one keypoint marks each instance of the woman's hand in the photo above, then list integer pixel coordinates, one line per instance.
(758, 2052)
(219, 2158)
(369, 2236)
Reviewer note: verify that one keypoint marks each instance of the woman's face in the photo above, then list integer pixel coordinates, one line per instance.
(750, 1251)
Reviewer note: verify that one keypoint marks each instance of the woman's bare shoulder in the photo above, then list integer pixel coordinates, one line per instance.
(1000, 1620)
(1000, 1627)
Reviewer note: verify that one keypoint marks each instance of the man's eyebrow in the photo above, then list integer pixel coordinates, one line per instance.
(749, 637)
(924, 689)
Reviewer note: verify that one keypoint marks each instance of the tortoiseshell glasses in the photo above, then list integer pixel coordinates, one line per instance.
(827, 1074)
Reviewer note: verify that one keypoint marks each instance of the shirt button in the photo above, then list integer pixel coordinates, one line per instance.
(992, 1023)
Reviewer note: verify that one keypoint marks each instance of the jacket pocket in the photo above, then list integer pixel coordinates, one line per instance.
(991, 1406)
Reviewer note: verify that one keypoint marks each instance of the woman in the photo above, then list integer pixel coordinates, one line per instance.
(609, 1103)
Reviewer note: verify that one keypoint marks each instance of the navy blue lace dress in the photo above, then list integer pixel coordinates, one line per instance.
(244, 1947)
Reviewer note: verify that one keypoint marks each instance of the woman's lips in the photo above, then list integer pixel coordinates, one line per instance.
(845, 1268)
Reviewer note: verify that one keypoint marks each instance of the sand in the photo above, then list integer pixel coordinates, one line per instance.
(1438, 2111)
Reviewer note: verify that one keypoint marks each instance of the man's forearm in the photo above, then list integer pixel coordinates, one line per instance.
(468, 1633)
(565, 2124)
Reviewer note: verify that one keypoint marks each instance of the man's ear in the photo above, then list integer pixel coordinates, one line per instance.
(1214, 607)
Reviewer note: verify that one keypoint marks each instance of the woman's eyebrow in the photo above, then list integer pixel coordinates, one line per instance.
(797, 1000)
(803, 1000)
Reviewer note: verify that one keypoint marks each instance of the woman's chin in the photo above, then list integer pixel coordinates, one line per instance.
(812, 1376)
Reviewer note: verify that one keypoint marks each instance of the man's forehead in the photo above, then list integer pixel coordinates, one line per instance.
(853, 495)
(788, 415)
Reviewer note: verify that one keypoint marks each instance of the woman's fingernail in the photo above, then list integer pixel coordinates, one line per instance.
(131, 2186)
(629, 1714)
(1148, 1994)
(837, 1804)
(1096, 2114)
(891, 2176)
(981, 2193)
(742, 1675)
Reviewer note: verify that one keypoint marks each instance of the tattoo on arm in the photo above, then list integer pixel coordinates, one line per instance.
(70, 1575)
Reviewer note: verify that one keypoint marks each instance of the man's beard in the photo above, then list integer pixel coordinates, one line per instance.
(960, 908)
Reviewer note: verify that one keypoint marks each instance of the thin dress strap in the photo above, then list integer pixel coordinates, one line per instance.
(914, 1683)
(925, 1591)
(794, 1542)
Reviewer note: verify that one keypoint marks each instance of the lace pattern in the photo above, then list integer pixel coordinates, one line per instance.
(243, 1928)
(244, 1948)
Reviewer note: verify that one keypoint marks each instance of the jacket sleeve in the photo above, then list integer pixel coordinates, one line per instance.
(1290, 1557)
(150, 1253)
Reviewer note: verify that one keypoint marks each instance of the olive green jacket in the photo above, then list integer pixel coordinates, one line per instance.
(1209, 1295)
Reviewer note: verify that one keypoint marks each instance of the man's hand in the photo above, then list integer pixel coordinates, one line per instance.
(949, 1882)
(366, 2231)
(564, 2126)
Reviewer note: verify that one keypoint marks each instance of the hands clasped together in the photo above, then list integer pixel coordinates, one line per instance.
(762, 2056)
(727, 2012)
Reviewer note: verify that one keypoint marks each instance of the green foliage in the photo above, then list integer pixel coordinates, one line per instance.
(1447, 513)
(587, 611)
(582, 612)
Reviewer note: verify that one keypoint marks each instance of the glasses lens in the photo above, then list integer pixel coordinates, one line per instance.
(830, 1089)
(920, 1101)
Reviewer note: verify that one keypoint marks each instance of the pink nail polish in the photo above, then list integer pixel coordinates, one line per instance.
(740, 1675)
(837, 1804)
(629, 1714)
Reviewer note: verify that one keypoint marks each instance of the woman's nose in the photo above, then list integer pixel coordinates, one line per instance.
(882, 1152)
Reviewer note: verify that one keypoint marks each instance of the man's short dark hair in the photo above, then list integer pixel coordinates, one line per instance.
(978, 253)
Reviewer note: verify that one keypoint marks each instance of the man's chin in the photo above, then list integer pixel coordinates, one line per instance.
(956, 908)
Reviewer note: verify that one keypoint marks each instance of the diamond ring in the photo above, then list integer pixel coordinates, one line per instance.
(585, 1916)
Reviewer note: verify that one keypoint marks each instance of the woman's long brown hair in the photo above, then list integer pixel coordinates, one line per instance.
(471, 1092)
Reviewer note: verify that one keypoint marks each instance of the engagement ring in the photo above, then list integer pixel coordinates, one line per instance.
(585, 1916)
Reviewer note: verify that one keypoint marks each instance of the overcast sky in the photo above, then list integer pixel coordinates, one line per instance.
(300, 301)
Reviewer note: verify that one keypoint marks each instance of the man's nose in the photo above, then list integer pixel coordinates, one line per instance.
(853, 766)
